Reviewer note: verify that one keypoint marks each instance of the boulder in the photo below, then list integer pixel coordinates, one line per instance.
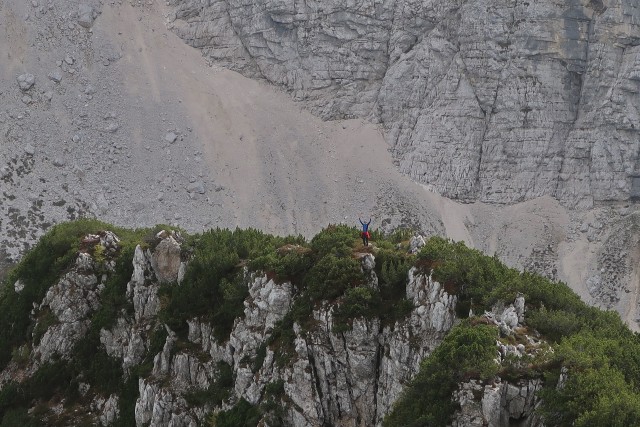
(85, 15)
(26, 81)
(166, 260)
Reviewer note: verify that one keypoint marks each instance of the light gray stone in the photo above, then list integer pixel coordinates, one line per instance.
(26, 81)
(85, 15)
(55, 75)
(196, 187)
(416, 243)
(170, 137)
(488, 100)
(18, 286)
(166, 260)
(110, 411)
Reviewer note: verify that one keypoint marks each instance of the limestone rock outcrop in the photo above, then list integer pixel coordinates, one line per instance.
(64, 311)
(498, 403)
(166, 257)
(492, 100)
(324, 374)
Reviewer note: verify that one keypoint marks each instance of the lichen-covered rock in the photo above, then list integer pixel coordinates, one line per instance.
(494, 405)
(347, 378)
(142, 289)
(507, 318)
(157, 406)
(416, 243)
(355, 376)
(124, 341)
(18, 286)
(71, 300)
(108, 409)
(435, 307)
(368, 265)
(166, 260)
(59, 340)
(76, 294)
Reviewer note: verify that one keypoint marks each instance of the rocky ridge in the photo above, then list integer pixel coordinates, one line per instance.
(349, 378)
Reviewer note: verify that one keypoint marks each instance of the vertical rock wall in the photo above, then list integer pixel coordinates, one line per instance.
(492, 100)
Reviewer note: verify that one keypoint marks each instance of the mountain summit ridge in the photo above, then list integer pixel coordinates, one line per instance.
(251, 329)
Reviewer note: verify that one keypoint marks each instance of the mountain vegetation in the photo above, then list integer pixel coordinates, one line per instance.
(591, 371)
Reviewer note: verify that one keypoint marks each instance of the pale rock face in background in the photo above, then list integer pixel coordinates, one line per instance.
(492, 100)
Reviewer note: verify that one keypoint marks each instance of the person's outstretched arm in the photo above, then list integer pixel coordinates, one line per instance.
(361, 223)
(369, 221)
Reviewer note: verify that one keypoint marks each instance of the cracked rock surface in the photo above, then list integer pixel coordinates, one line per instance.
(492, 100)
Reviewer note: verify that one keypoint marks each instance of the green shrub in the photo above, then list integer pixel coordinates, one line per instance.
(128, 393)
(113, 298)
(336, 240)
(18, 417)
(331, 276)
(50, 379)
(619, 408)
(555, 324)
(592, 397)
(271, 408)
(214, 286)
(357, 302)
(21, 354)
(466, 352)
(261, 354)
(203, 292)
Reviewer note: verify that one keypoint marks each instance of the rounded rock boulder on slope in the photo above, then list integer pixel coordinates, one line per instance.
(26, 81)
(85, 15)
(170, 137)
(196, 187)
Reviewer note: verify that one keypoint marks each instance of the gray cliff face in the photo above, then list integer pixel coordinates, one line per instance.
(492, 100)
(344, 379)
